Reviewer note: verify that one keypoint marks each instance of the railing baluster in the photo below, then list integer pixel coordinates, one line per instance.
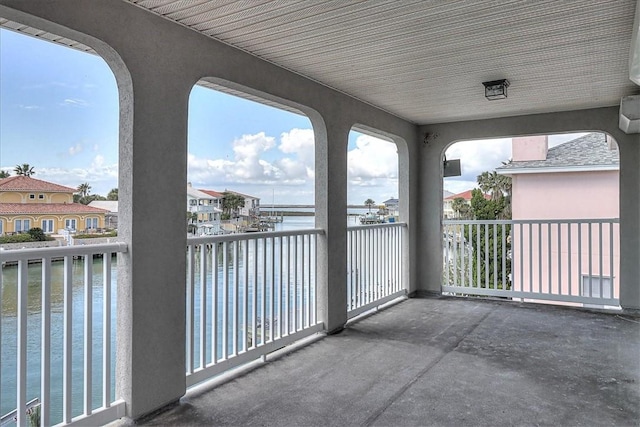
(67, 354)
(203, 306)
(272, 289)
(560, 259)
(580, 278)
(88, 331)
(254, 300)
(236, 303)
(45, 344)
(245, 294)
(263, 289)
(281, 287)
(611, 268)
(295, 283)
(550, 279)
(21, 398)
(569, 256)
(540, 257)
(590, 261)
(600, 266)
(106, 330)
(530, 227)
(225, 300)
(190, 309)
(214, 303)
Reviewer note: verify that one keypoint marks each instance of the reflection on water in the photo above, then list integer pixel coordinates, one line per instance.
(9, 332)
(8, 341)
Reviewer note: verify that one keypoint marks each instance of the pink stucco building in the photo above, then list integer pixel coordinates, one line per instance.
(567, 191)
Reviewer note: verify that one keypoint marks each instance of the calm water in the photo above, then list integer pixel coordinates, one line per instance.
(9, 329)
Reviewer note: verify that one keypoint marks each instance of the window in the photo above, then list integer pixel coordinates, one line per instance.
(22, 225)
(91, 223)
(47, 225)
(70, 224)
(193, 202)
(32, 196)
(41, 196)
(596, 286)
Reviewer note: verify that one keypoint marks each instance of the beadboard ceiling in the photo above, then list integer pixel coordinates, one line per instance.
(425, 61)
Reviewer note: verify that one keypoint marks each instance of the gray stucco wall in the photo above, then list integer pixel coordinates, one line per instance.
(156, 64)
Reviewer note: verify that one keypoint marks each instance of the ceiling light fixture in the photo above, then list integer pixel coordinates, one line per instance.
(496, 89)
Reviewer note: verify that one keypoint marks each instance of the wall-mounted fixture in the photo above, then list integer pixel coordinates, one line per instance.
(496, 89)
(451, 167)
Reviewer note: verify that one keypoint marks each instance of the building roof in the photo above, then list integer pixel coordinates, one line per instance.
(246, 196)
(391, 201)
(213, 193)
(27, 183)
(465, 195)
(589, 152)
(48, 208)
(198, 194)
(109, 205)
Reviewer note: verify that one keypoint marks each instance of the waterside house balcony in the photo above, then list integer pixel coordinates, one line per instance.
(125, 329)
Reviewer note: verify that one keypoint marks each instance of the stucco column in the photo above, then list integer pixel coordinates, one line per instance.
(629, 146)
(331, 215)
(151, 334)
(429, 245)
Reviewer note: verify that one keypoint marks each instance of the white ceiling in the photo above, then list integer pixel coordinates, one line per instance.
(426, 60)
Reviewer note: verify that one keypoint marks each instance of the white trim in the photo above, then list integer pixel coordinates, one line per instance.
(558, 169)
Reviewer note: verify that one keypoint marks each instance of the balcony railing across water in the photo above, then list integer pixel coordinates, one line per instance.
(374, 266)
(80, 408)
(565, 261)
(248, 295)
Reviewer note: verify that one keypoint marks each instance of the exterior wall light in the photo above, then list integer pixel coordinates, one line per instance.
(496, 89)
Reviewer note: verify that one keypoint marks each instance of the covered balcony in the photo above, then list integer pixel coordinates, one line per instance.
(413, 73)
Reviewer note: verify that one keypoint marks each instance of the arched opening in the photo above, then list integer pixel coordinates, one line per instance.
(534, 218)
(257, 155)
(60, 136)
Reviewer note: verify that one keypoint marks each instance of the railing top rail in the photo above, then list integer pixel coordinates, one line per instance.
(532, 221)
(370, 226)
(252, 236)
(61, 251)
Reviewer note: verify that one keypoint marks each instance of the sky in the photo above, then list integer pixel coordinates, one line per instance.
(59, 114)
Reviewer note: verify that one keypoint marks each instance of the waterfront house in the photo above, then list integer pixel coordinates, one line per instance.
(27, 202)
(447, 205)
(204, 206)
(251, 206)
(111, 216)
(576, 180)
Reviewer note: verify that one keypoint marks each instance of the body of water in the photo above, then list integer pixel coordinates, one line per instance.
(8, 341)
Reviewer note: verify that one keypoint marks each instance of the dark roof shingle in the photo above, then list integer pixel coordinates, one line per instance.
(589, 150)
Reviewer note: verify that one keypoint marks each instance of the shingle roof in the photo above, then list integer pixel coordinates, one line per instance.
(588, 150)
(48, 208)
(212, 193)
(26, 183)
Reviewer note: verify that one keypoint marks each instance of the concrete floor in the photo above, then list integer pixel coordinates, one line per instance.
(442, 361)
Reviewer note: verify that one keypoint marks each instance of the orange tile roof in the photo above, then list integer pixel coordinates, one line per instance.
(212, 193)
(48, 208)
(26, 183)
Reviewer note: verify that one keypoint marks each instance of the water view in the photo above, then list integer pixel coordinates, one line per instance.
(295, 299)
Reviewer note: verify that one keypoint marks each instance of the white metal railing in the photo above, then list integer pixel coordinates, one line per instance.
(566, 261)
(374, 266)
(248, 295)
(49, 296)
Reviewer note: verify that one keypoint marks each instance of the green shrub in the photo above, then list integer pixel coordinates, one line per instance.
(96, 236)
(16, 238)
(37, 234)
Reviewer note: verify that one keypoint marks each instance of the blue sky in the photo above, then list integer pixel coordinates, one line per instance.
(59, 113)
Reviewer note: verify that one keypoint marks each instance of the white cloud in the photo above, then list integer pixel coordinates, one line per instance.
(256, 162)
(74, 102)
(29, 107)
(75, 149)
(372, 170)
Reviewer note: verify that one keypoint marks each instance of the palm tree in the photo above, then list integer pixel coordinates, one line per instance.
(24, 169)
(461, 208)
(368, 203)
(4, 174)
(84, 189)
(495, 184)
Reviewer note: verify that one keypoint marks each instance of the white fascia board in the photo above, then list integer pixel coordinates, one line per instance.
(558, 169)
